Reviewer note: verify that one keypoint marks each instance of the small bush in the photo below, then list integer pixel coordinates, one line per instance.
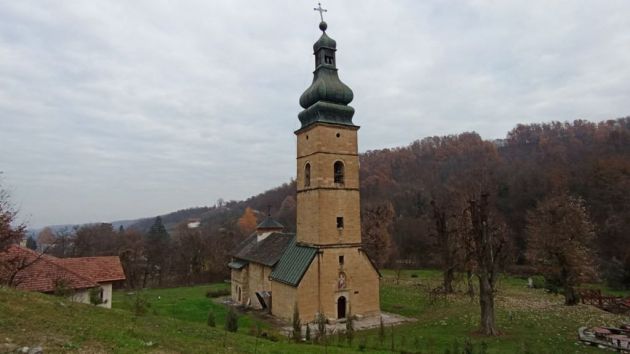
(321, 327)
(95, 296)
(308, 333)
(414, 275)
(381, 331)
(362, 344)
(350, 329)
(211, 320)
(62, 287)
(218, 293)
(140, 304)
(538, 282)
(231, 320)
(297, 325)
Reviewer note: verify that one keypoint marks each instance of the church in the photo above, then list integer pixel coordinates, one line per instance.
(322, 268)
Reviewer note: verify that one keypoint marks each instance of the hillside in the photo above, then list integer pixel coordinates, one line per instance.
(32, 319)
(590, 160)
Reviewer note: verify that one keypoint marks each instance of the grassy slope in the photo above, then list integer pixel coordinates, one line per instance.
(529, 319)
(29, 319)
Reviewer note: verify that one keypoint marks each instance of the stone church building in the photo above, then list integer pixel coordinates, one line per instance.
(322, 267)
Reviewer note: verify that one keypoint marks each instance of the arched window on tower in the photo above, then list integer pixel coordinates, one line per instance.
(338, 170)
(307, 175)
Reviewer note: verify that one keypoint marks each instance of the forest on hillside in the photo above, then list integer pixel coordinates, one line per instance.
(414, 204)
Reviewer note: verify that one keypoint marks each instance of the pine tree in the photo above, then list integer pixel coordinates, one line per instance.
(381, 331)
(297, 325)
(231, 320)
(350, 326)
(308, 333)
(211, 321)
(157, 247)
(31, 243)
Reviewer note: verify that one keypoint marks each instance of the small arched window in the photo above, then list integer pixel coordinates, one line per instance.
(307, 175)
(338, 170)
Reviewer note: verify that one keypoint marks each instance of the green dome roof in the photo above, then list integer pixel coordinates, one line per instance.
(327, 99)
(326, 86)
(324, 42)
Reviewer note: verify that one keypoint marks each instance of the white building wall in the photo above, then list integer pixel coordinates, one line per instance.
(83, 296)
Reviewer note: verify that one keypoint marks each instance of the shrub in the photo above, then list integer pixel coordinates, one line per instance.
(350, 329)
(211, 320)
(362, 344)
(308, 333)
(62, 288)
(538, 282)
(321, 326)
(218, 293)
(297, 325)
(140, 304)
(381, 331)
(95, 296)
(414, 275)
(231, 320)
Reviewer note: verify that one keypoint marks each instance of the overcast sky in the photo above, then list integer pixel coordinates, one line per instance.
(123, 109)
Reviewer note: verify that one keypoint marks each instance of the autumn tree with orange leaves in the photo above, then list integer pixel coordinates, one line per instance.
(248, 221)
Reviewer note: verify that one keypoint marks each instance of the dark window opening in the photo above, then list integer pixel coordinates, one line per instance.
(338, 135)
(328, 59)
(338, 169)
(341, 260)
(340, 224)
(307, 175)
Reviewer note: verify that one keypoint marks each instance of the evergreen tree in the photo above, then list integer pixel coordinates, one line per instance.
(297, 325)
(308, 333)
(31, 243)
(157, 248)
(231, 320)
(381, 331)
(211, 321)
(350, 326)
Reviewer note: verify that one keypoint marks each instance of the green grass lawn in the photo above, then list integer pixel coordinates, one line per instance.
(185, 303)
(531, 321)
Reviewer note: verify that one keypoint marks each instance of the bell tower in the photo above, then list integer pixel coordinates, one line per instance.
(328, 205)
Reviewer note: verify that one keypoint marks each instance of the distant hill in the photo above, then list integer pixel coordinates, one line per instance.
(590, 160)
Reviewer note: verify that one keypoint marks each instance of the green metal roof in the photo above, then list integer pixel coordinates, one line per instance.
(269, 223)
(237, 264)
(327, 99)
(293, 264)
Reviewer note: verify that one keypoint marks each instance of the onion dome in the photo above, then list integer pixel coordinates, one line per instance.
(327, 99)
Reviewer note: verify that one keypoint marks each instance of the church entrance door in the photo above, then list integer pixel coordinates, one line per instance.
(341, 307)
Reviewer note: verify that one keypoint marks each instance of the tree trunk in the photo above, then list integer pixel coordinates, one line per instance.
(449, 275)
(486, 301)
(570, 296)
(471, 288)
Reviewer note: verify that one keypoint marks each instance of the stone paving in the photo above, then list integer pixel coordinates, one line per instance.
(389, 319)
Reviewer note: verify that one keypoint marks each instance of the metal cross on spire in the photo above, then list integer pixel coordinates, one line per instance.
(321, 10)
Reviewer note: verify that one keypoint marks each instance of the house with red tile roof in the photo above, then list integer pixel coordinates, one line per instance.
(80, 277)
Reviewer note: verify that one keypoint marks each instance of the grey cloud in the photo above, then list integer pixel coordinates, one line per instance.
(113, 110)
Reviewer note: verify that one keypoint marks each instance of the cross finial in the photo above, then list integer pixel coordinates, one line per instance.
(321, 10)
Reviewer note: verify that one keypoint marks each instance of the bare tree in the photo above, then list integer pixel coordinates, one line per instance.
(487, 247)
(376, 235)
(447, 242)
(560, 237)
(10, 232)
